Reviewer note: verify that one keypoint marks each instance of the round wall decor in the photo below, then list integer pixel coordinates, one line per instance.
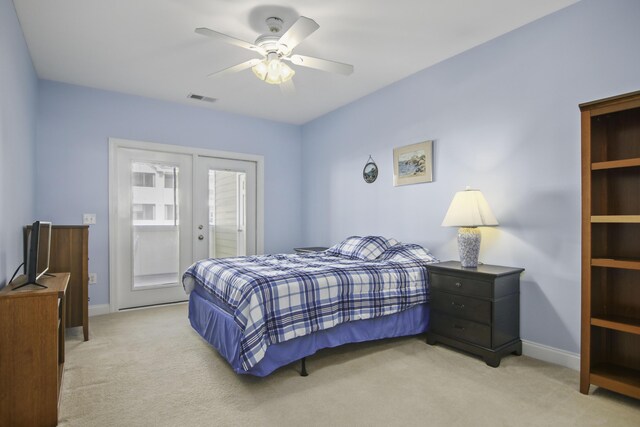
(370, 171)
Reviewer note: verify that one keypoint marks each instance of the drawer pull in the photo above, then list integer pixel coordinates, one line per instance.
(460, 306)
(458, 284)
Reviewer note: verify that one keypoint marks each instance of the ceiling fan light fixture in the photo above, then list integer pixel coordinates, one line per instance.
(286, 72)
(260, 70)
(273, 71)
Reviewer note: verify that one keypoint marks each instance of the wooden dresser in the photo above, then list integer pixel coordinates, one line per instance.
(70, 253)
(32, 323)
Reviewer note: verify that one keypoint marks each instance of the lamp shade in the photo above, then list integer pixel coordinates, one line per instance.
(469, 208)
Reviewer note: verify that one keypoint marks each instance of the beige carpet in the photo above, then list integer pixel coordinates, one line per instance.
(149, 368)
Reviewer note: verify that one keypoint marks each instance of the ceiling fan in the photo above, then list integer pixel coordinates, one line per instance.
(276, 49)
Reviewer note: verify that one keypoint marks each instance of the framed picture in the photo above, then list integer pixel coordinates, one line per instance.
(413, 164)
(370, 171)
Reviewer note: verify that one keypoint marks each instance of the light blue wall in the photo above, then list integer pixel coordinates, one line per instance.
(18, 92)
(505, 120)
(75, 123)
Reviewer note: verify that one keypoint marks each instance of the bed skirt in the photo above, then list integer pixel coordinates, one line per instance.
(219, 329)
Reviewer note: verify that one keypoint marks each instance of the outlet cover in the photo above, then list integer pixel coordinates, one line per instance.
(89, 218)
(93, 278)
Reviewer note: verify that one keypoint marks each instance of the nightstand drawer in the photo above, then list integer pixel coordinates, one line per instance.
(478, 310)
(461, 285)
(460, 329)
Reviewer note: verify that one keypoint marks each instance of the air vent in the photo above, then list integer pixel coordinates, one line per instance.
(201, 98)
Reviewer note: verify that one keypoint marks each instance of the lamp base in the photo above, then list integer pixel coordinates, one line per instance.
(469, 246)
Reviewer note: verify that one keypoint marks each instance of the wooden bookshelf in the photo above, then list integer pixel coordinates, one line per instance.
(610, 335)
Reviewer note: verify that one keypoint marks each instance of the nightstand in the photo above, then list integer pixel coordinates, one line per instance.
(476, 309)
(310, 249)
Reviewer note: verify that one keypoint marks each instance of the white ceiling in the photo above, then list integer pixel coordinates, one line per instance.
(149, 48)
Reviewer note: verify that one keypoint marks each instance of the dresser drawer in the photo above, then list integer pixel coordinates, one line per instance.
(468, 308)
(460, 285)
(460, 329)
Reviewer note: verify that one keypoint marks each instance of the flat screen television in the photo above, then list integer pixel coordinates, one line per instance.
(37, 250)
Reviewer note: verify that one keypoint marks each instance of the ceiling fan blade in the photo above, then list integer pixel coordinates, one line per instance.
(288, 88)
(240, 67)
(300, 30)
(322, 64)
(231, 40)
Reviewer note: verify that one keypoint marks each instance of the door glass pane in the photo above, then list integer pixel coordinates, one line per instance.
(154, 221)
(227, 217)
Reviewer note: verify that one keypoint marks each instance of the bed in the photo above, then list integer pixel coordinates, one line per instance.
(264, 312)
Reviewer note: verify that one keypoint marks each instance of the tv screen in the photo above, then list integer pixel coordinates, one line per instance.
(44, 248)
(37, 249)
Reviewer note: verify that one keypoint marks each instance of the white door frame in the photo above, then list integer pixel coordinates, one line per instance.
(117, 143)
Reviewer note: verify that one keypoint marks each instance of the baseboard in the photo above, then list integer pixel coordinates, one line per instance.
(99, 309)
(551, 355)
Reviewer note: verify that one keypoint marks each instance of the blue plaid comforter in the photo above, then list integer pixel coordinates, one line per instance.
(275, 298)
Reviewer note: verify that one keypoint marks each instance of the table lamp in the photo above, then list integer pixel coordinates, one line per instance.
(469, 210)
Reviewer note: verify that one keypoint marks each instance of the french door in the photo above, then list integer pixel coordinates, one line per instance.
(171, 209)
(154, 223)
(224, 208)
